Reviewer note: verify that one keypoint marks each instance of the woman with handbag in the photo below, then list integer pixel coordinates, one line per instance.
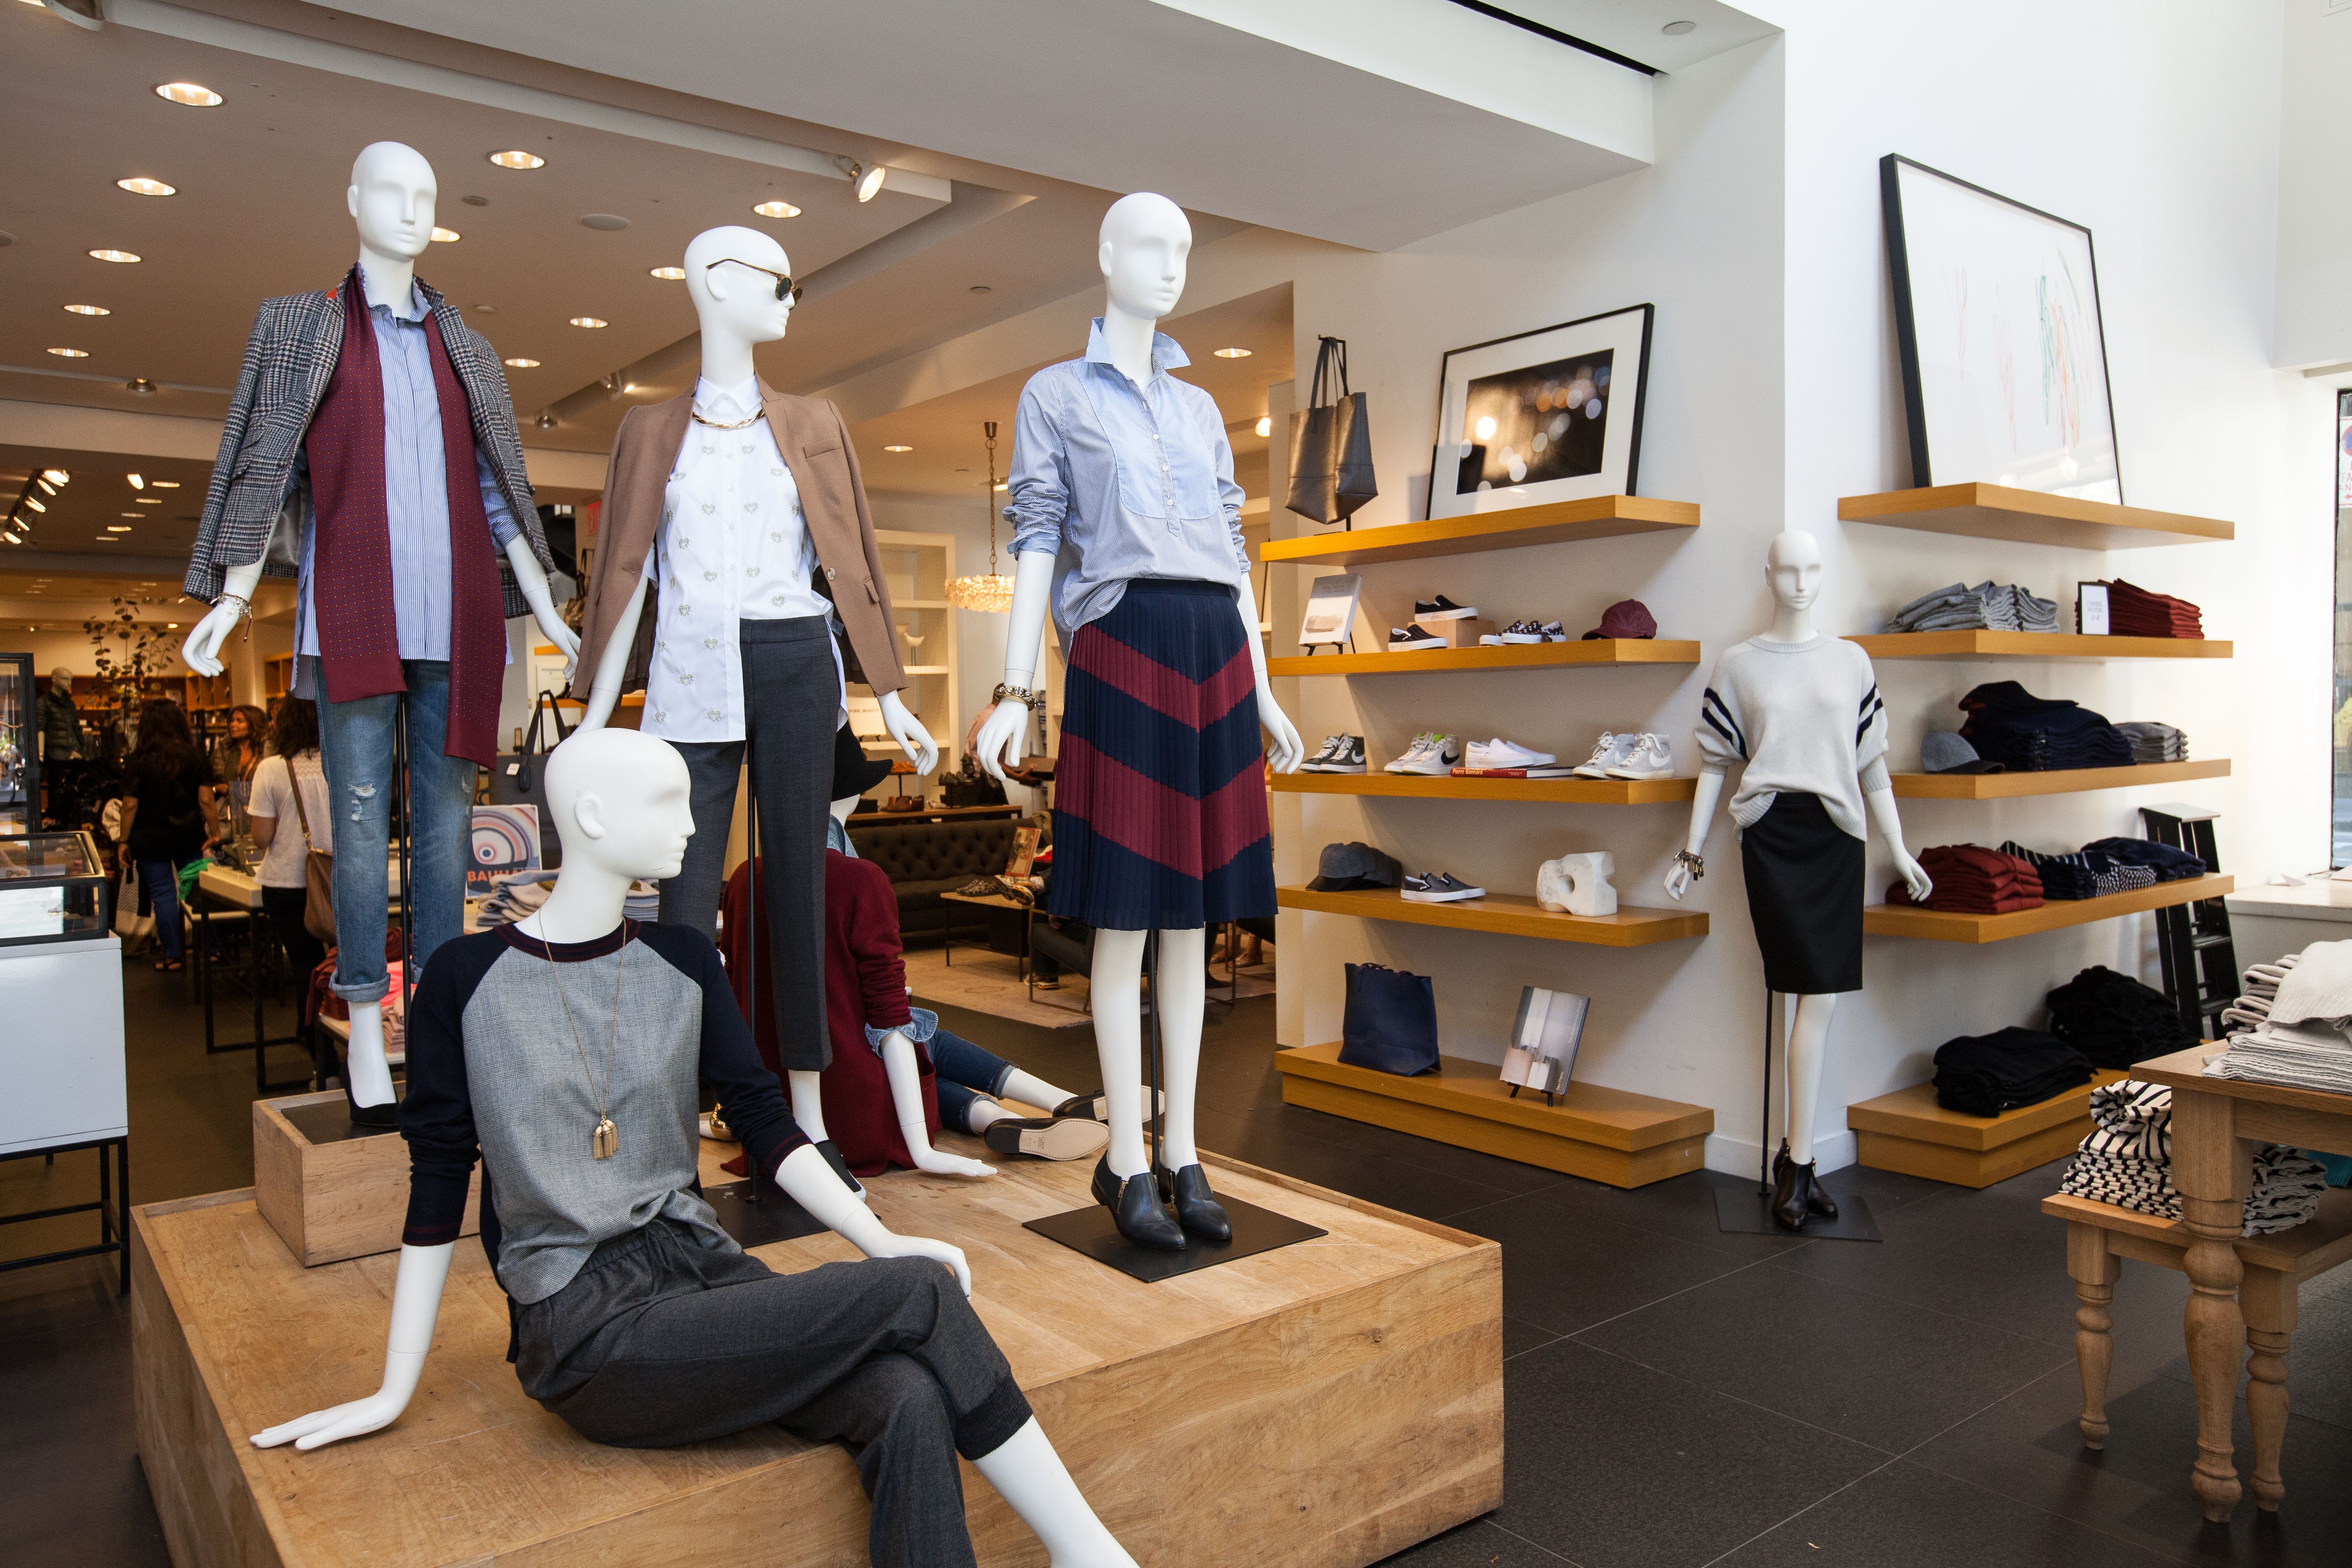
(167, 799)
(297, 871)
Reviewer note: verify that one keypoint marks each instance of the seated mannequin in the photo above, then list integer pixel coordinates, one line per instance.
(896, 1076)
(636, 1318)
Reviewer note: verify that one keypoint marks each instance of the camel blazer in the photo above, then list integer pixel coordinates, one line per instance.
(816, 445)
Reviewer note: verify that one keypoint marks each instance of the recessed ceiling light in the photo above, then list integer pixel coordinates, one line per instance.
(163, 485)
(88, 310)
(446, 236)
(125, 256)
(121, 527)
(171, 625)
(140, 386)
(668, 274)
(520, 363)
(1676, 29)
(475, 201)
(590, 321)
(898, 449)
(196, 95)
(1002, 485)
(14, 540)
(777, 209)
(35, 502)
(870, 182)
(57, 476)
(106, 539)
(149, 501)
(1265, 424)
(141, 186)
(1233, 353)
(517, 159)
(46, 489)
(603, 223)
(70, 353)
(980, 288)
(137, 481)
(131, 514)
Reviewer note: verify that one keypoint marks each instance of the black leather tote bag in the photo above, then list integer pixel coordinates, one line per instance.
(1331, 473)
(1391, 1021)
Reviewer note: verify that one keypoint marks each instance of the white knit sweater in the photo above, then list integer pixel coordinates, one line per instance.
(1803, 717)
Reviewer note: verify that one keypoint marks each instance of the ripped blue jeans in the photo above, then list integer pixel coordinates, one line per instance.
(356, 744)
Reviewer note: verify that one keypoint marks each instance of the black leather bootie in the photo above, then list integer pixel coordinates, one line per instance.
(1819, 1202)
(1792, 1193)
(1134, 1204)
(1197, 1209)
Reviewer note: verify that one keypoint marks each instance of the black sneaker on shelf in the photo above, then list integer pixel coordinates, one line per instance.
(1350, 758)
(1314, 765)
(1439, 887)
(1441, 608)
(1413, 640)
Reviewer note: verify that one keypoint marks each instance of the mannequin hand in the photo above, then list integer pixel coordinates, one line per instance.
(1288, 750)
(202, 650)
(1000, 737)
(356, 1419)
(939, 1165)
(908, 731)
(566, 640)
(892, 1245)
(1678, 879)
(1915, 876)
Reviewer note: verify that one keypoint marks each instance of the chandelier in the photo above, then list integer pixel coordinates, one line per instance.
(993, 593)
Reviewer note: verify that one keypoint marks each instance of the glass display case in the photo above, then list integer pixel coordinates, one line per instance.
(20, 747)
(53, 888)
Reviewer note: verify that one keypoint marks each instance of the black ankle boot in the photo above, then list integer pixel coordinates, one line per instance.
(1197, 1209)
(1134, 1204)
(1817, 1201)
(1792, 1193)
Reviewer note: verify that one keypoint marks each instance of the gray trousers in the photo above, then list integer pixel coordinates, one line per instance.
(658, 1340)
(792, 702)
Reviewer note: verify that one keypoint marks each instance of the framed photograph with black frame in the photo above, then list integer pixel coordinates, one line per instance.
(2005, 355)
(1552, 414)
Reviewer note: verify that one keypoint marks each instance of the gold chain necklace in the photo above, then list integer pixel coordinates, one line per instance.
(606, 1138)
(739, 425)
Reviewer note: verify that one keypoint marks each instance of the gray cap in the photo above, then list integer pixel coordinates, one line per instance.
(1945, 753)
(1346, 868)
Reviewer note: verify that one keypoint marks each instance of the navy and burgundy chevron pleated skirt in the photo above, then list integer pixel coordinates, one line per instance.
(1160, 818)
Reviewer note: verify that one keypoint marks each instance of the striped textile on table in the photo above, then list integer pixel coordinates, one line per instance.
(1160, 819)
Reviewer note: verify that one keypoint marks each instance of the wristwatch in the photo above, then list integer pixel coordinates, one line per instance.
(1033, 700)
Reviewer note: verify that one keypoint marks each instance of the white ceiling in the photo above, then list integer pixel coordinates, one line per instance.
(1636, 28)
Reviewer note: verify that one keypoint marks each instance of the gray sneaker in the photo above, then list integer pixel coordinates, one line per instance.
(1439, 887)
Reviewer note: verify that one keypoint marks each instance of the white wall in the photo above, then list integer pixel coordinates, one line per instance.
(2315, 228)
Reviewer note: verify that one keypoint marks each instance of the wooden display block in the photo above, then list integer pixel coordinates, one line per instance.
(1908, 1131)
(1455, 634)
(329, 1190)
(1326, 1404)
(1602, 1135)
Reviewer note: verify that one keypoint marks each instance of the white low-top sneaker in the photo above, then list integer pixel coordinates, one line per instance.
(1651, 757)
(1607, 753)
(1439, 758)
(1502, 754)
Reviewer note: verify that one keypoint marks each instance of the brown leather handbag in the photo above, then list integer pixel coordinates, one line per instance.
(318, 870)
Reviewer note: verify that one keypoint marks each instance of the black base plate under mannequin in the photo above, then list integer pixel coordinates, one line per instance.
(1092, 1231)
(775, 1218)
(1748, 1212)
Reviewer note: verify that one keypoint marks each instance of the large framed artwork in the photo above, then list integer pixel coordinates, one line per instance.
(2004, 356)
(1548, 415)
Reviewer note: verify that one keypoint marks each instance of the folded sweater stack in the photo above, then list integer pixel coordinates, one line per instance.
(2085, 874)
(2305, 1038)
(2009, 724)
(2252, 1010)
(2136, 613)
(2128, 1162)
(1984, 1075)
(1973, 880)
(2114, 1020)
(2152, 742)
(1988, 606)
(2171, 864)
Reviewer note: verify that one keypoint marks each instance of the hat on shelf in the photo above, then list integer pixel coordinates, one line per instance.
(1346, 868)
(1945, 753)
(1625, 618)
(853, 772)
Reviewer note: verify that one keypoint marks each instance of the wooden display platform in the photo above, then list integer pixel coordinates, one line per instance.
(1544, 791)
(1602, 1135)
(2035, 645)
(1602, 652)
(1506, 914)
(2057, 781)
(329, 1190)
(1937, 925)
(1908, 1131)
(2031, 517)
(1601, 517)
(1331, 1403)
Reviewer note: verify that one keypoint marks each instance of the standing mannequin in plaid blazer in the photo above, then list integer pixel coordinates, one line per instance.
(370, 452)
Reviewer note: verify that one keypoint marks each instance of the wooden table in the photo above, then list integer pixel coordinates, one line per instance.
(2215, 1122)
(996, 925)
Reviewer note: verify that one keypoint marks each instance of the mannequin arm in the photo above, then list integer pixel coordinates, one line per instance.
(1002, 731)
(908, 731)
(202, 648)
(1288, 750)
(531, 578)
(1880, 804)
(415, 1307)
(605, 686)
(1703, 803)
(810, 1182)
(907, 1100)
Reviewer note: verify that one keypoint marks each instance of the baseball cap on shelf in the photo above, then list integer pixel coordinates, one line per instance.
(1625, 618)
(1945, 753)
(1348, 868)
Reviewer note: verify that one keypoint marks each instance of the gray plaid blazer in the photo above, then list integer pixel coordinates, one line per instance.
(288, 360)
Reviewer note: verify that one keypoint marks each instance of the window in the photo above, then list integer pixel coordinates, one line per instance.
(2340, 851)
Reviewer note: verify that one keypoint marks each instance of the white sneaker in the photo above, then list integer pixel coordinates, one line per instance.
(1501, 754)
(1440, 757)
(1420, 743)
(1651, 757)
(1607, 753)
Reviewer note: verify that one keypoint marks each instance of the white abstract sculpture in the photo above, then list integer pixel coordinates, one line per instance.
(1578, 884)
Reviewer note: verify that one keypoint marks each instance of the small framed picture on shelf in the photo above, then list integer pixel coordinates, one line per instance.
(1553, 414)
(2091, 609)
(1545, 1035)
(1330, 612)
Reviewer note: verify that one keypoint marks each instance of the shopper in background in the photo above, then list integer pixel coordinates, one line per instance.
(236, 755)
(292, 764)
(60, 719)
(167, 798)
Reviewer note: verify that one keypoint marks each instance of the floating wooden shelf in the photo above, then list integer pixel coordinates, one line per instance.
(1602, 1135)
(2029, 517)
(1601, 517)
(1505, 915)
(1521, 656)
(1908, 1131)
(1547, 791)
(2058, 781)
(2034, 645)
(1937, 925)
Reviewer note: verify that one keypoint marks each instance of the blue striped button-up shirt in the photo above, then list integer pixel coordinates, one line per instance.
(1116, 481)
(415, 493)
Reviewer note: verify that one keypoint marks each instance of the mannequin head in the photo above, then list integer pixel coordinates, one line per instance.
(391, 196)
(1145, 240)
(1792, 570)
(735, 303)
(620, 803)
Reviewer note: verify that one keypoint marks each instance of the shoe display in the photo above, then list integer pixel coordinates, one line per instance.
(1502, 754)
(1523, 632)
(1197, 1209)
(1439, 887)
(1651, 757)
(1816, 1201)
(1413, 639)
(1607, 753)
(1430, 754)
(1347, 757)
(1441, 608)
(1047, 1137)
(1134, 1206)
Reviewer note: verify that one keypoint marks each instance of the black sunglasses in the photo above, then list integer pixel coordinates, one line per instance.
(784, 284)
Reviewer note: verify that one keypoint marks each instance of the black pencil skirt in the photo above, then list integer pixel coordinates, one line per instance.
(1804, 894)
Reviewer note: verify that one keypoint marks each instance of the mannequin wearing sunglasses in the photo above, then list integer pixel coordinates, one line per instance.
(737, 583)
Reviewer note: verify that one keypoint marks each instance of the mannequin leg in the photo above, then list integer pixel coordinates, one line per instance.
(808, 1107)
(907, 1100)
(1117, 982)
(355, 749)
(1030, 1089)
(440, 814)
(1183, 995)
(691, 898)
(1809, 1040)
(1029, 1475)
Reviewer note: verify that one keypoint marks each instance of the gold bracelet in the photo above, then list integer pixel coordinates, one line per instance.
(1033, 700)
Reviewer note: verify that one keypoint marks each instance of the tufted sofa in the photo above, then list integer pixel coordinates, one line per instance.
(924, 859)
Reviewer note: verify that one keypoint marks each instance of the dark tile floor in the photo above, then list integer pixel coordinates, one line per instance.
(1676, 1395)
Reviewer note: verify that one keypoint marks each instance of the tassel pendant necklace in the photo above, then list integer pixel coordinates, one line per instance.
(604, 1140)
